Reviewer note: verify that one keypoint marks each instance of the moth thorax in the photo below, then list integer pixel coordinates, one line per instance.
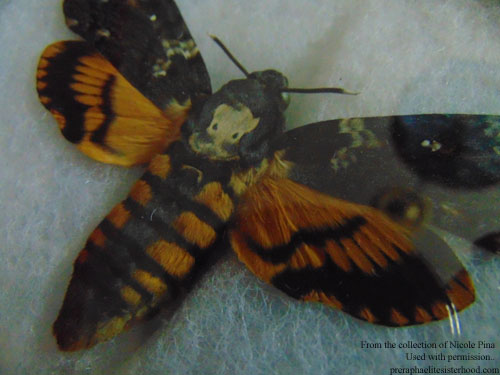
(220, 140)
(404, 206)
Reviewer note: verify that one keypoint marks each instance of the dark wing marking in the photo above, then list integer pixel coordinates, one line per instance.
(148, 42)
(451, 162)
(99, 110)
(490, 242)
(459, 151)
(317, 248)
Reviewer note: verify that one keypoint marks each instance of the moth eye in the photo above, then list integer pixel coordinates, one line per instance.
(286, 98)
(236, 135)
(215, 126)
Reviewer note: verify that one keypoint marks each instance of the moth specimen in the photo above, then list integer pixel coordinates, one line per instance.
(221, 165)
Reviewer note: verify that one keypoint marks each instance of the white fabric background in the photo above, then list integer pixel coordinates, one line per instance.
(403, 57)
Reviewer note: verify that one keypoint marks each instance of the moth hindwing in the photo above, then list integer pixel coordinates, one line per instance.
(137, 91)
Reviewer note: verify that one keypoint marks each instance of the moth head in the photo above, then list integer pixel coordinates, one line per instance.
(276, 82)
(240, 121)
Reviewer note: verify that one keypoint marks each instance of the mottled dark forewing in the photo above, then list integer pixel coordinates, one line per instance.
(147, 41)
(450, 162)
(349, 256)
(459, 151)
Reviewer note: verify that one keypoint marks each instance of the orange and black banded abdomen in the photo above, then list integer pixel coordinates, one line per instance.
(147, 251)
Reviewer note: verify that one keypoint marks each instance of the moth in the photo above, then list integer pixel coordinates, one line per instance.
(296, 206)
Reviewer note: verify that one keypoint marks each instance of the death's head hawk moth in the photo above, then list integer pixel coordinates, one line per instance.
(295, 205)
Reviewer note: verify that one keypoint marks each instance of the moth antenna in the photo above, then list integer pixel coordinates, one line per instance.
(229, 54)
(319, 90)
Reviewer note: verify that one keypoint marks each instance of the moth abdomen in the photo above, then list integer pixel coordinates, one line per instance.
(146, 251)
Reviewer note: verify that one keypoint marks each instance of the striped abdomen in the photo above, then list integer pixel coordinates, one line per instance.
(147, 250)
